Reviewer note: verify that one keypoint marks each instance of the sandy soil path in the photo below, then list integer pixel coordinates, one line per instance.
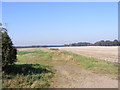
(70, 76)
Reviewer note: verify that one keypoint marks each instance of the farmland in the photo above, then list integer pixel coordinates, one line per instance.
(108, 53)
(63, 67)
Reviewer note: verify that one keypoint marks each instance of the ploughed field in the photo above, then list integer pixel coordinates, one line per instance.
(63, 67)
(108, 53)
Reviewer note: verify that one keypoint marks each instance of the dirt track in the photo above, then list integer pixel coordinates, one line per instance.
(108, 53)
(70, 76)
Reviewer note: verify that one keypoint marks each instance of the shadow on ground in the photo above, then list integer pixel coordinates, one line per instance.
(27, 69)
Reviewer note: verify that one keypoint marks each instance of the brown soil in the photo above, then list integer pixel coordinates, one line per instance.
(71, 76)
(108, 53)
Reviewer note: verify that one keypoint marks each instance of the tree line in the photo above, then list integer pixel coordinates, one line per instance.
(39, 46)
(99, 43)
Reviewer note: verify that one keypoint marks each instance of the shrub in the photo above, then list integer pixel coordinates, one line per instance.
(8, 51)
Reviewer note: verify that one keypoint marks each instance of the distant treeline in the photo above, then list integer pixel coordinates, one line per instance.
(38, 46)
(99, 43)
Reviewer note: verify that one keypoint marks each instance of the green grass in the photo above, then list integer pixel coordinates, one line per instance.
(95, 65)
(27, 76)
(34, 57)
(31, 70)
(28, 52)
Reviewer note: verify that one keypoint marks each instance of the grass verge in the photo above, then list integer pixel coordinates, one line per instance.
(95, 65)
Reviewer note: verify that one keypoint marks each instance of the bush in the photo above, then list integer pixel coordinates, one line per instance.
(8, 51)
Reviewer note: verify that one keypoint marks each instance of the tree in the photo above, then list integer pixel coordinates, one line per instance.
(116, 42)
(8, 51)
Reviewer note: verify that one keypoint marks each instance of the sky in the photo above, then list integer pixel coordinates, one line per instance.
(56, 23)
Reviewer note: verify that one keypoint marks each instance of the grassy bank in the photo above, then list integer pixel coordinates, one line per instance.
(30, 71)
(95, 65)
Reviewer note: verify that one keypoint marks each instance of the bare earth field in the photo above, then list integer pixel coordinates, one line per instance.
(108, 53)
(70, 75)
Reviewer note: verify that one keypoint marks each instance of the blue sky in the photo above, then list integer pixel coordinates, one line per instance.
(50, 23)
